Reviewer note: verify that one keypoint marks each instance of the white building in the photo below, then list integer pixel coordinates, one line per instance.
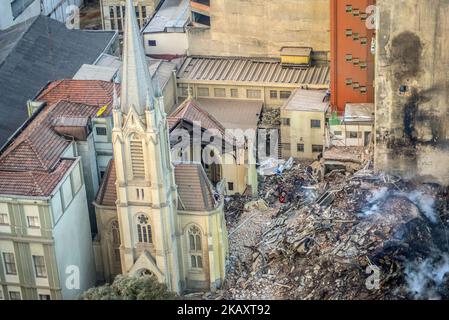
(16, 11)
(166, 33)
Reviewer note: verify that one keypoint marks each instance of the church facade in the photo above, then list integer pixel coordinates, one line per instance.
(155, 217)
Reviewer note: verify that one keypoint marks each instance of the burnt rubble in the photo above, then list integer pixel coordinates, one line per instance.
(345, 236)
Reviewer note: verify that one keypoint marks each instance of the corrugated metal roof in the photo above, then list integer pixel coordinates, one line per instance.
(260, 71)
(307, 100)
(171, 17)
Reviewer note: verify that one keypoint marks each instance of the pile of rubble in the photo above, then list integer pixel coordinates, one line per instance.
(347, 236)
(271, 118)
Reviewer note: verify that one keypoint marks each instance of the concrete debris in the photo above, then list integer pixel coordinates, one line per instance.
(346, 236)
(271, 118)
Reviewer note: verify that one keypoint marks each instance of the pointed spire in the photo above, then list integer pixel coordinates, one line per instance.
(115, 102)
(136, 79)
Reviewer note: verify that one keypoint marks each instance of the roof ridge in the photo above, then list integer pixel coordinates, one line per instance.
(28, 142)
(36, 184)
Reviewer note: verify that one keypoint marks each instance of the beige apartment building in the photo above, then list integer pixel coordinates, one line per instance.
(303, 124)
(258, 28)
(113, 12)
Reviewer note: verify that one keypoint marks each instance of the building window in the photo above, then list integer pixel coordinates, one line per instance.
(356, 85)
(286, 146)
(315, 123)
(348, 8)
(363, 65)
(348, 32)
(152, 43)
(19, 6)
(285, 94)
(39, 267)
(203, 92)
(356, 36)
(285, 122)
(363, 89)
(253, 94)
(101, 131)
(144, 230)
(33, 222)
(356, 12)
(338, 133)
(15, 295)
(356, 61)
(353, 135)
(195, 248)
(317, 148)
(115, 233)
(348, 57)
(363, 40)
(44, 297)
(10, 263)
(363, 16)
(300, 148)
(273, 94)
(220, 92)
(234, 93)
(231, 186)
(137, 159)
(348, 82)
(4, 219)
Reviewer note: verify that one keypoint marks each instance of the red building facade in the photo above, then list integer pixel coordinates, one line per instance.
(352, 62)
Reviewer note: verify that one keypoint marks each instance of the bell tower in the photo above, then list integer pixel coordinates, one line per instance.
(146, 190)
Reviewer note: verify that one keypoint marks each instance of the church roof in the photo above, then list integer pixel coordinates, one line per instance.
(194, 189)
(190, 111)
(107, 193)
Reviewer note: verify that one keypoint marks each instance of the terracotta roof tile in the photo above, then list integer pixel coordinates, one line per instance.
(194, 189)
(91, 92)
(32, 164)
(107, 193)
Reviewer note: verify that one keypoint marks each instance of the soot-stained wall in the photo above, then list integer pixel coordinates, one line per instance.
(412, 89)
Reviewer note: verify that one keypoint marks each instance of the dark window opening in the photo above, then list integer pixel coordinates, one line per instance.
(152, 43)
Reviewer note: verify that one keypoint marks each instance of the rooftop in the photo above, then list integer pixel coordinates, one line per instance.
(92, 92)
(233, 113)
(194, 188)
(172, 16)
(28, 62)
(33, 164)
(93, 72)
(251, 70)
(296, 51)
(307, 100)
(359, 112)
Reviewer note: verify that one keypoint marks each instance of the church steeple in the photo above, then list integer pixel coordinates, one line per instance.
(136, 80)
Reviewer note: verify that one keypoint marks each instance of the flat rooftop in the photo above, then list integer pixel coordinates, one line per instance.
(359, 112)
(172, 16)
(307, 101)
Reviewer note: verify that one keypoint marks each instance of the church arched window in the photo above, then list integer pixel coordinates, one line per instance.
(144, 234)
(195, 247)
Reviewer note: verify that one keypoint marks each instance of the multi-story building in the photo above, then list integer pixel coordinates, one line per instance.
(412, 110)
(166, 32)
(352, 62)
(303, 124)
(113, 12)
(253, 79)
(46, 247)
(258, 28)
(15, 11)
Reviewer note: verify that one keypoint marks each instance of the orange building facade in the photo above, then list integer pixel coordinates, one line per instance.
(352, 62)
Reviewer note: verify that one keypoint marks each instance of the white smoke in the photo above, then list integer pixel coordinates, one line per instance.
(424, 278)
(424, 202)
